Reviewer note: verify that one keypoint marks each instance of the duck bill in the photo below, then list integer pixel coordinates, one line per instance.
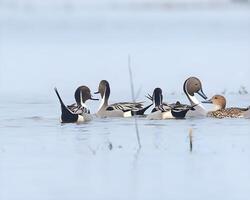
(202, 94)
(207, 101)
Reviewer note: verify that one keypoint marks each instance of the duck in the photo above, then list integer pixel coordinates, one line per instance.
(77, 112)
(220, 111)
(193, 86)
(166, 111)
(122, 109)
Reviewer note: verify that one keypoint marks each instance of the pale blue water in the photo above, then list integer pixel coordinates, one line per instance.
(42, 159)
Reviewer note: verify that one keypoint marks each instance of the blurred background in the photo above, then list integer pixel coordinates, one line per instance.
(67, 43)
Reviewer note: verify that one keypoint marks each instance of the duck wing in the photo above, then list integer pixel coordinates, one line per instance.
(228, 113)
(76, 109)
(126, 106)
(179, 106)
(162, 108)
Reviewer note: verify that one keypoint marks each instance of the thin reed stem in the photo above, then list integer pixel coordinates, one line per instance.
(133, 98)
(191, 139)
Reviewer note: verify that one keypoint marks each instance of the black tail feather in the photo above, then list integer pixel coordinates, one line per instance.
(67, 116)
(60, 99)
(179, 114)
(141, 111)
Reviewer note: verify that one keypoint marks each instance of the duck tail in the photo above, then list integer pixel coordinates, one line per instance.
(67, 116)
(141, 111)
(179, 114)
(60, 99)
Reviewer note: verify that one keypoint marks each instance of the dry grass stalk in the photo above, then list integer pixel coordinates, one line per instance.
(191, 139)
(133, 98)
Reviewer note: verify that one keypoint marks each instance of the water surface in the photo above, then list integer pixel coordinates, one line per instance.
(42, 159)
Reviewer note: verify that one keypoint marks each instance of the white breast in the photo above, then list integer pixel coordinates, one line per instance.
(200, 110)
(127, 114)
(155, 115)
(167, 115)
(84, 118)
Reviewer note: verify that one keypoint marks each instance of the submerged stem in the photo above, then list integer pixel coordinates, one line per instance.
(191, 139)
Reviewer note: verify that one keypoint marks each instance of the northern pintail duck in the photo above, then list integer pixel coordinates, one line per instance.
(167, 111)
(77, 112)
(122, 109)
(220, 110)
(191, 87)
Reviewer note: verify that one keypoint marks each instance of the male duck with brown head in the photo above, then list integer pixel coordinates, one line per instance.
(220, 110)
(191, 87)
(166, 111)
(77, 112)
(122, 109)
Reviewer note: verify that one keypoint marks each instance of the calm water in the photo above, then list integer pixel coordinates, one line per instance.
(42, 159)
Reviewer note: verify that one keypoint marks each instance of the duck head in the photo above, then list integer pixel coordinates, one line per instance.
(191, 87)
(218, 101)
(157, 96)
(82, 94)
(104, 90)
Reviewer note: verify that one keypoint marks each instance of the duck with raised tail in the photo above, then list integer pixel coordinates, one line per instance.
(122, 109)
(167, 111)
(77, 112)
(220, 111)
(191, 87)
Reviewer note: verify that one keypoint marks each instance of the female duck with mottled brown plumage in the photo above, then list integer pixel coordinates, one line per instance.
(220, 110)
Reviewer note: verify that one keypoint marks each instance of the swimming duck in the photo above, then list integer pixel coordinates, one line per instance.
(77, 112)
(220, 110)
(191, 87)
(167, 111)
(122, 109)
